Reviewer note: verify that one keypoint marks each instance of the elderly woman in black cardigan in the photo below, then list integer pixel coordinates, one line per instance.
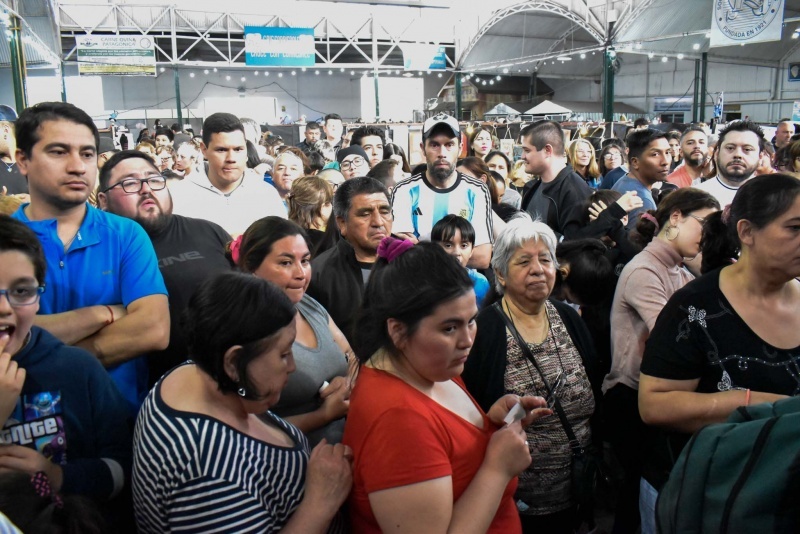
(525, 266)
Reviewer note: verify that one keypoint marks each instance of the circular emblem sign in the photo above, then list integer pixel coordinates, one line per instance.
(742, 20)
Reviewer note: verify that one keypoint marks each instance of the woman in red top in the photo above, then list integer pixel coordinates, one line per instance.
(427, 458)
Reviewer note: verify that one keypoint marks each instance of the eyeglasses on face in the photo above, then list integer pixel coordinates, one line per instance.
(134, 185)
(22, 295)
(355, 162)
(612, 156)
(701, 220)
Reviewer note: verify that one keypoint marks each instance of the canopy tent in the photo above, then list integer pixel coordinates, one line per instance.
(546, 107)
(500, 110)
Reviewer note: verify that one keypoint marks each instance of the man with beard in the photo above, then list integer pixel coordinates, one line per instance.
(104, 291)
(694, 146)
(188, 250)
(229, 194)
(649, 158)
(419, 202)
(557, 197)
(737, 157)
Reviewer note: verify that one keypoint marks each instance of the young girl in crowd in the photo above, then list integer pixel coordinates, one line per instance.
(456, 236)
(427, 458)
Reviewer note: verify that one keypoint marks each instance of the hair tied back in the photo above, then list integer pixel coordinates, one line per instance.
(726, 214)
(648, 217)
(390, 248)
(236, 245)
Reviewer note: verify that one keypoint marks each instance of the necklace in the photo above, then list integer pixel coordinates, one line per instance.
(9, 166)
(550, 335)
(68, 243)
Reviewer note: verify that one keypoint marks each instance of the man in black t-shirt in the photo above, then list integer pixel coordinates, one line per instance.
(188, 250)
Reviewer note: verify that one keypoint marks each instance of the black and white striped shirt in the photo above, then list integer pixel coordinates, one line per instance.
(194, 473)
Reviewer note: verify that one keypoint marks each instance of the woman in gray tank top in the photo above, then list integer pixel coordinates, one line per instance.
(316, 399)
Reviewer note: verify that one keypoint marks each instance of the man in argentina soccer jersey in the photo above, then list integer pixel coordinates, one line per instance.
(422, 200)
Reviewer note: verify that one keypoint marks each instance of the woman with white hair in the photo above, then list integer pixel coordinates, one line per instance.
(557, 356)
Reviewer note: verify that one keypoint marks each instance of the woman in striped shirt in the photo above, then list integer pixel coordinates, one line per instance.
(209, 455)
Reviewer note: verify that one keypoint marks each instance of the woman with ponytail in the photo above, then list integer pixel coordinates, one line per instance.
(671, 234)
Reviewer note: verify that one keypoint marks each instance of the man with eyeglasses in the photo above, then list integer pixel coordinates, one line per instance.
(104, 292)
(188, 250)
(353, 161)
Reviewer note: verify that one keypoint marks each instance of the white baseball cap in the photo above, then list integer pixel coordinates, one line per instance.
(436, 120)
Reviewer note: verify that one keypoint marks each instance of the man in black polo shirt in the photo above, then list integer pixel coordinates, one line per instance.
(188, 250)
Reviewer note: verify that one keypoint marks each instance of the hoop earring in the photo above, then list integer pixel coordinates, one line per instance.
(674, 237)
(242, 392)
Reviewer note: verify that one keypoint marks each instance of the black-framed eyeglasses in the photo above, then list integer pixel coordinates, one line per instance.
(355, 162)
(22, 295)
(134, 185)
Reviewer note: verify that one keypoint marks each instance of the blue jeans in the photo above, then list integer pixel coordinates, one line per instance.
(647, 506)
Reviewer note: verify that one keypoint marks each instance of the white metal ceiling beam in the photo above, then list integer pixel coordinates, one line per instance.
(546, 6)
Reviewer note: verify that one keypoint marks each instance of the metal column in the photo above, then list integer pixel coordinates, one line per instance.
(457, 76)
(178, 95)
(63, 82)
(703, 90)
(695, 101)
(608, 85)
(18, 63)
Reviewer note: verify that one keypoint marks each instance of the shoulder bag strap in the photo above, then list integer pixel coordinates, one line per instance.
(574, 444)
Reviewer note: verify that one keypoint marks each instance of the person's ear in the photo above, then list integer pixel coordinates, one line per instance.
(342, 225)
(398, 331)
(500, 278)
(675, 217)
(564, 271)
(102, 201)
(745, 230)
(229, 363)
(203, 149)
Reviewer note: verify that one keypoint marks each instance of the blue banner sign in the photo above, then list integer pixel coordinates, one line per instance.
(279, 47)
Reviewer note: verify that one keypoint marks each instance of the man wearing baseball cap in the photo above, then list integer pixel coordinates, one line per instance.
(422, 200)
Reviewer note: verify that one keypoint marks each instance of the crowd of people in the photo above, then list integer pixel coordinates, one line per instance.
(220, 333)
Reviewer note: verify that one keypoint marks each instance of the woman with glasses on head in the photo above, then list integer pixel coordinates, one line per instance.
(581, 156)
(672, 234)
(61, 392)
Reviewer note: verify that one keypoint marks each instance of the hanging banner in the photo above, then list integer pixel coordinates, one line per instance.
(423, 57)
(279, 47)
(746, 21)
(117, 55)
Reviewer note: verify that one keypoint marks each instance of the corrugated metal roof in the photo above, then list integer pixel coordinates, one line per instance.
(36, 51)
